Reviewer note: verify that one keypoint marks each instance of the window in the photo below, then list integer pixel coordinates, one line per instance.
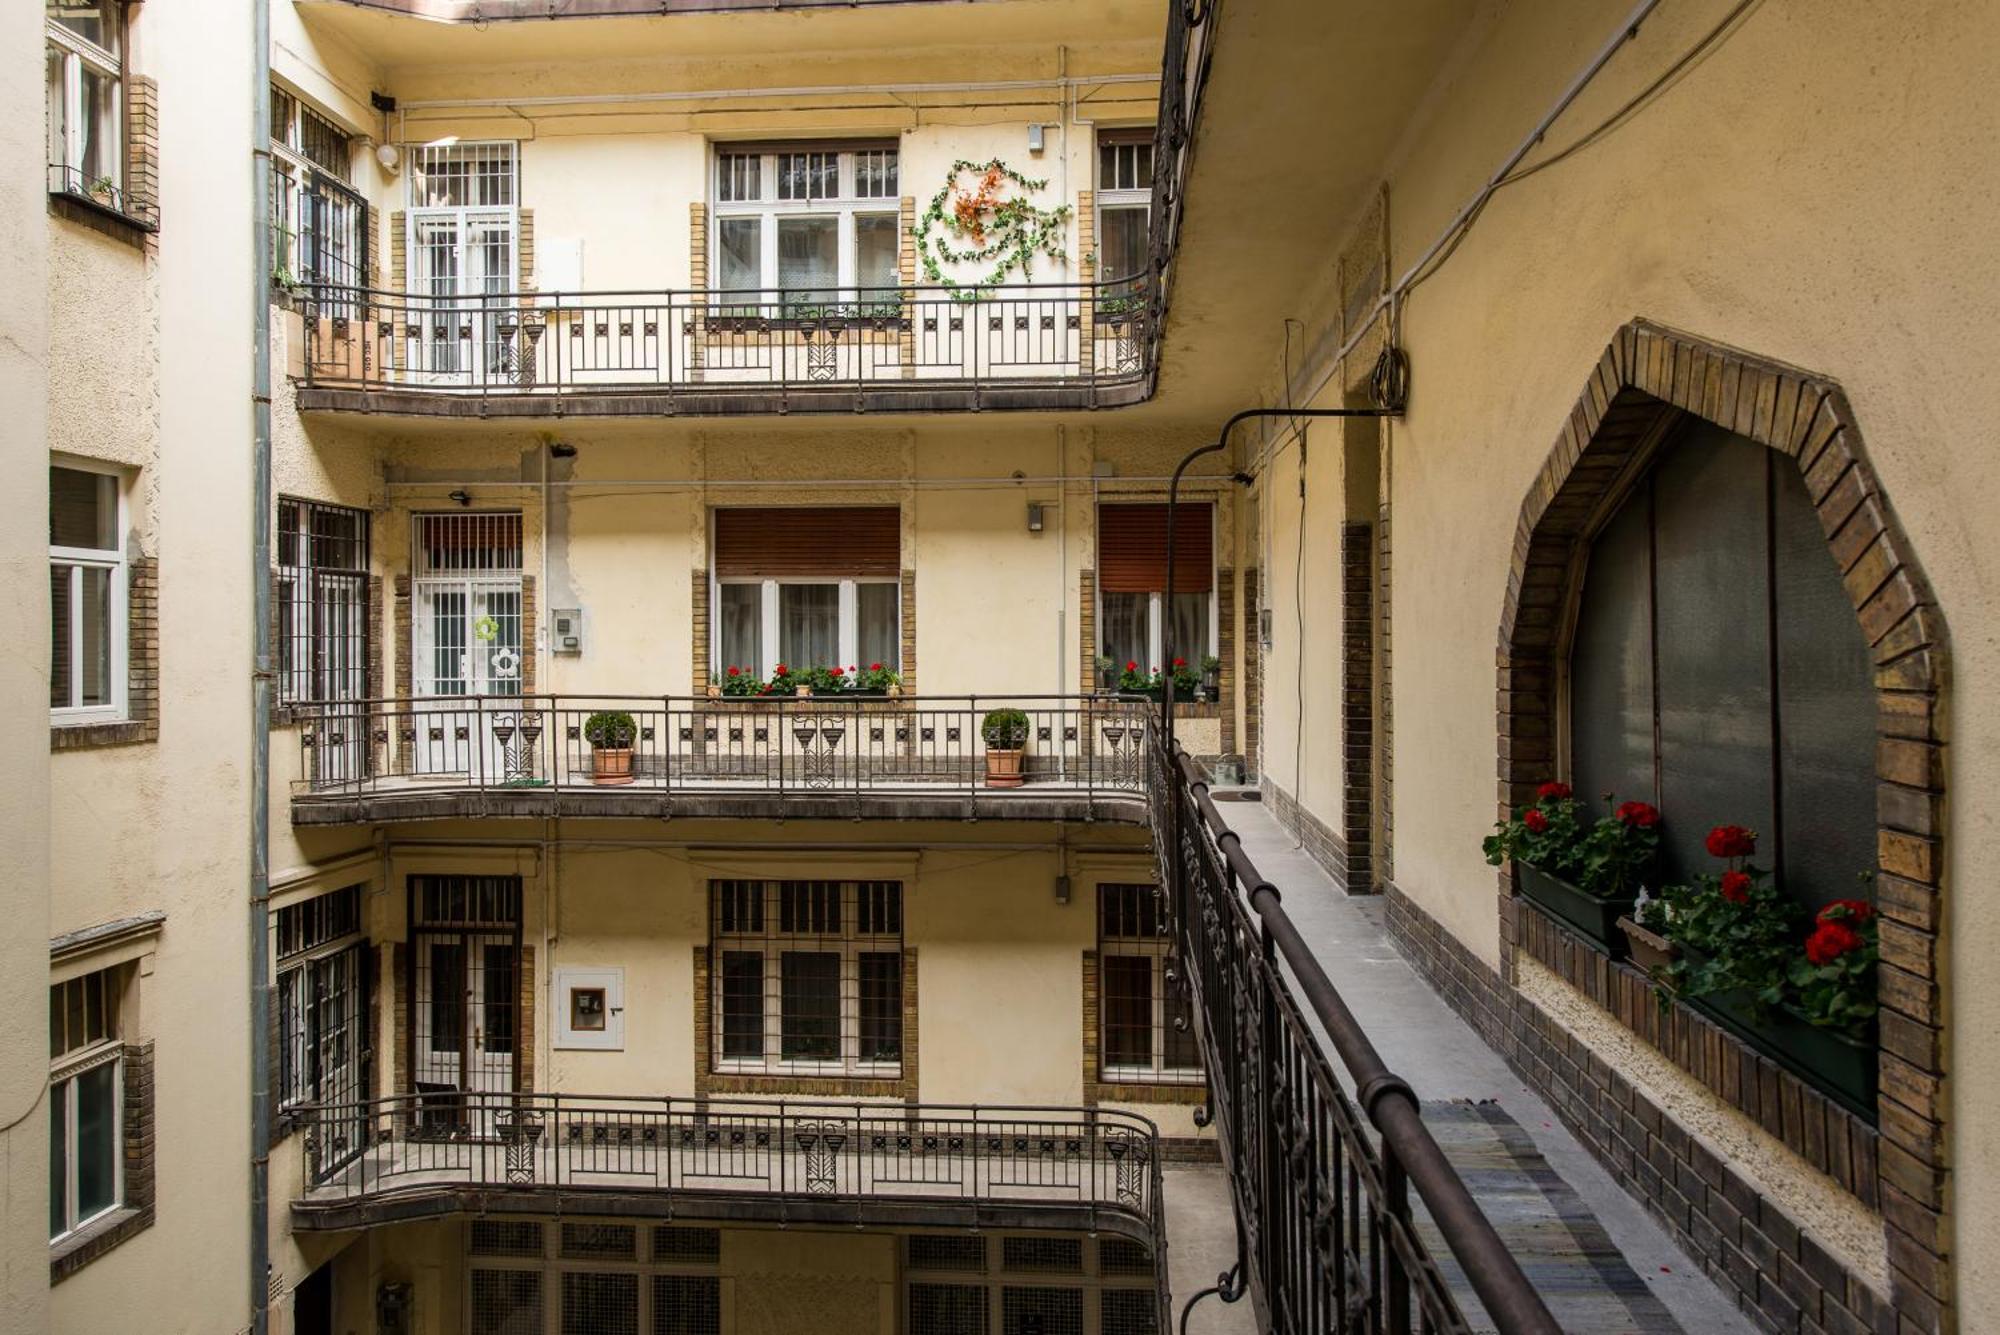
(808, 587)
(1124, 198)
(601, 1279)
(1146, 1032)
(86, 1089)
(809, 976)
(87, 589)
(86, 115)
(1038, 1284)
(1717, 669)
(1136, 611)
(322, 602)
(318, 222)
(817, 223)
(320, 1000)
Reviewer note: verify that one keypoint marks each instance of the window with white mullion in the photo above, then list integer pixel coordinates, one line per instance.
(86, 1100)
(85, 100)
(762, 624)
(805, 229)
(87, 595)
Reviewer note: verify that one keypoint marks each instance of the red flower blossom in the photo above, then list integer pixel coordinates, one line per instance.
(1831, 940)
(1639, 815)
(1551, 792)
(782, 670)
(1736, 887)
(1536, 822)
(1131, 665)
(1731, 841)
(1847, 910)
(736, 672)
(836, 673)
(874, 667)
(1180, 662)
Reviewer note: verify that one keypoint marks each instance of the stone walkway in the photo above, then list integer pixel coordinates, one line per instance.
(1426, 1043)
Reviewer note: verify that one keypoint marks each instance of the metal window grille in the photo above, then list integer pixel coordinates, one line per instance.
(809, 976)
(687, 1246)
(808, 175)
(600, 1242)
(320, 1015)
(738, 178)
(1123, 1257)
(468, 901)
(322, 601)
(318, 921)
(1146, 1031)
(468, 542)
(1041, 1311)
(599, 1304)
(949, 1251)
(875, 173)
(687, 1305)
(464, 991)
(316, 138)
(1127, 1312)
(506, 1237)
(948, 1309)
(506, 1302)
(463, 176)
(1056, 1256)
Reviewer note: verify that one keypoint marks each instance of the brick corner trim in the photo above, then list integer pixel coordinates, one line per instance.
(1648, 379)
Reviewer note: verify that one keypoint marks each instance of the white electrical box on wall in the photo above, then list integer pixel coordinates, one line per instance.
(566, 630)
(590, 1008)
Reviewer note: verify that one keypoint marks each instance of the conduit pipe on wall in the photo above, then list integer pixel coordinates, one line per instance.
(792, 484)
(1064, 84)
(262, 676)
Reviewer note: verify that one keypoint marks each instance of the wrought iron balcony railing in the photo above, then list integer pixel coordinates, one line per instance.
(827, 745)
(1024, 345)
(1321, 1177)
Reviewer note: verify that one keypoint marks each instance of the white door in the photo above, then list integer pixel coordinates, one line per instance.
(463, 265)
(468, 640)
(467, 988)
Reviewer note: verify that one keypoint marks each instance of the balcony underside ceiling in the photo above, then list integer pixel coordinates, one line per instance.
(1306, 101)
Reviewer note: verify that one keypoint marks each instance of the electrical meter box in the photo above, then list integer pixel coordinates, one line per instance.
(566, 630)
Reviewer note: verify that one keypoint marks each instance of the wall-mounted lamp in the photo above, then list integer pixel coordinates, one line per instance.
(386, 155)
(462, 497)
(1034, 516)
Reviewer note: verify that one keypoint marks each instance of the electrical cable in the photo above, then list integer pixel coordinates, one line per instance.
(1298, 589)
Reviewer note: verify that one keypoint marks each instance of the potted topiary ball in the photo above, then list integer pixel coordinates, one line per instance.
(610, 734)
(1006, 734)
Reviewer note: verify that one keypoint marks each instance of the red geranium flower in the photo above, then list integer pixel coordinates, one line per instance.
(1731, 841)
(874, 667)
(836, 673)
(736, 672)
(1831, 940)
(1848, 910)
(1131, 665)
(1640, 815)
(1535, 821)
(1550, 792)
(1180, 662)
(1736, 887)
(782, 670)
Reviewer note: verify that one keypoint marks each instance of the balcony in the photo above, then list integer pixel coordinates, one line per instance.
(666, 353)
(836, 757)
(797, 1162)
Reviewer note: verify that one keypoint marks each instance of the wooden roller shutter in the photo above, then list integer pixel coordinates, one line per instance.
(1132, 548)
(778, 541)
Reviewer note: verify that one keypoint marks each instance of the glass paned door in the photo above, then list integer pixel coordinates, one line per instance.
(468, 642)
(463, 266)
(466, 990)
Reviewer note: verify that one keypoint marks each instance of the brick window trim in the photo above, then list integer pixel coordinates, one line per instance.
(142, 670)
(135, 1216)
(708, 1081)
(1223, 707)
(1648, 379)
(1096, 1089)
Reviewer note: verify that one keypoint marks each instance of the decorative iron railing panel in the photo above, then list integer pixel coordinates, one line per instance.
(810, 746)
(918, 340)
(1320, 1175)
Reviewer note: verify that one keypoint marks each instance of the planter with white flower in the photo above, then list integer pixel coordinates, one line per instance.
(1588, 874)
(610, 734)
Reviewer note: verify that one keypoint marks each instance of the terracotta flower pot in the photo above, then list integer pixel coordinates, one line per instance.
(610, 765)
(714, 692)
(1003, 768)
(803, 691)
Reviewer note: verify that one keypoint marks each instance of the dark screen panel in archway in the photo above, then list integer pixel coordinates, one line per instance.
(1826, 709)
(1611, 663)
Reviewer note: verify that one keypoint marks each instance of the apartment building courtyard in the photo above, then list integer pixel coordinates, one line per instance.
(998, 667)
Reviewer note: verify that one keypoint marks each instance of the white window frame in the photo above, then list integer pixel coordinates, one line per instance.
(296, 973)
(844, 207)
(1156, 633)
(769, 625)
(65, 1070)
(78, 51)
(291, 179)
(1110, 201)
(465, 215)
(773, 945)
(115, 561)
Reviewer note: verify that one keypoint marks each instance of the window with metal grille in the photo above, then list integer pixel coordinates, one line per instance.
(599, 1304)
(506, 1302)
(958, 1283)
(1122, 1256)
(1060, 1256)
(1040, 1311)
(319, 231)
(468, 901)
(86, 1099)
(806, 229)
(322, 594)
(809, 976)
(322, 1002)
(1145, 1029)
(931, 1251)
(687, 1305)
(698, 1246)
(463, 176)
(1127, 1312)
(948, 1309)
(505, 1237)
(595, 1242)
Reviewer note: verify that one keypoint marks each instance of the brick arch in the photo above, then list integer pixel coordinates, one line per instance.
(1649, 379)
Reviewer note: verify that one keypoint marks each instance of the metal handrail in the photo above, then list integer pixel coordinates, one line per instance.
(1274, 1062)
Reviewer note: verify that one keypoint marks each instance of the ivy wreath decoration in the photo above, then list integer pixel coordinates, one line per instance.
(1011, 231)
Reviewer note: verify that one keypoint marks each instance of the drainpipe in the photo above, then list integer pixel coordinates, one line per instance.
(262, 676)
